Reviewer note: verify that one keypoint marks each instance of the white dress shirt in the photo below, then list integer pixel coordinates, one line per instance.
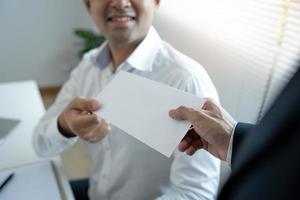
(123, 168)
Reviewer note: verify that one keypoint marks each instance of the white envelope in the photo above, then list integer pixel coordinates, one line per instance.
(140, 106)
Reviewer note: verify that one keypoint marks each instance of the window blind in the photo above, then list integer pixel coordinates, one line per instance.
(288, 52)
(260, 37)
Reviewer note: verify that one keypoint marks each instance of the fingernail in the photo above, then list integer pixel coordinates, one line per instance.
(172, 113)
(95, 104)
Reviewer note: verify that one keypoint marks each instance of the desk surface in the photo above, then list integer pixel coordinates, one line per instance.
(21, 100)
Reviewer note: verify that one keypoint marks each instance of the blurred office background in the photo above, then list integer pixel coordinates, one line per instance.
(249, 49)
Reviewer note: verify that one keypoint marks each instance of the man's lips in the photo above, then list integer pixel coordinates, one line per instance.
(120, 18)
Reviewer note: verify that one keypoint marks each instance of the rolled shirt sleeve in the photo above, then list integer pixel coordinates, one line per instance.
(47, 140)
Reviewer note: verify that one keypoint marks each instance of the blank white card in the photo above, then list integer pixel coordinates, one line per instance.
(140, 106)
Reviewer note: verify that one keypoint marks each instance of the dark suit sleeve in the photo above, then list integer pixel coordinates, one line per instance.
(240, 133)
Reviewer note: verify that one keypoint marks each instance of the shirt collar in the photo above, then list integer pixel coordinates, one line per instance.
(142, 57)
(103, 58)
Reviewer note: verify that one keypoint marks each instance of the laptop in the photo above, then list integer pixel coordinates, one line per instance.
(6, 126)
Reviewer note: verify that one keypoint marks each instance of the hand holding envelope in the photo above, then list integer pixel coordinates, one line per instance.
(78, 119)
(140, 107)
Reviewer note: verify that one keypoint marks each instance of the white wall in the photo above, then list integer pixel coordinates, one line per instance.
(36, 39)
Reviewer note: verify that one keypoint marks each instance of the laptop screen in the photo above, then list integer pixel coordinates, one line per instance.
(6, 126)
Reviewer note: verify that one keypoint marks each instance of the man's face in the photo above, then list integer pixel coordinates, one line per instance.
(123, 21)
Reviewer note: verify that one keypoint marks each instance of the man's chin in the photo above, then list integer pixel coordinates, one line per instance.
(122, 38)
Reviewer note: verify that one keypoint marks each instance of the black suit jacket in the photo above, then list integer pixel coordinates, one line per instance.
(266, 158)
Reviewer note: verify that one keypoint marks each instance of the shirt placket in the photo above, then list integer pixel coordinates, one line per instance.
(104, 175)
(105, 172)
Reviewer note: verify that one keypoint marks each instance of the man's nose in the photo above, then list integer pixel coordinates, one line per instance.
(121, 3)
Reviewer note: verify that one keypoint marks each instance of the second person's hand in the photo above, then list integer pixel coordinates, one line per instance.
(212, 129)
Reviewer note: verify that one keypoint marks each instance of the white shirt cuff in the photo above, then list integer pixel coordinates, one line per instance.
(57, 137)
(229, 152)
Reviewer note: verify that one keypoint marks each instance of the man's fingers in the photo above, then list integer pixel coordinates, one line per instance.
(197, 144)
(187, 140)
(194, 146)
(183, 146)
(185, 113)
(190, 151)
(181, 113)
(86, 123)
(211, 105)
(83, 104)
(81, 121)
(192, 133)
(102, 130)
(98, 133)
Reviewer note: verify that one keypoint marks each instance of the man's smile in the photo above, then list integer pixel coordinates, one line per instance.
(121, 20)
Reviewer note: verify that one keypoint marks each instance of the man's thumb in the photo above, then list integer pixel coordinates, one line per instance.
(181, 113)
(211, 106)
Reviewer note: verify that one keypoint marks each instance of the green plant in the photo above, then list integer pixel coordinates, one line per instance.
(90, 39)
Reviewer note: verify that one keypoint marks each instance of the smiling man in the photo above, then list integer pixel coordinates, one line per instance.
(123, 168)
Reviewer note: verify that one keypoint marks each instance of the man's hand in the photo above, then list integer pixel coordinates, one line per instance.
(79, 120)
(212, 129)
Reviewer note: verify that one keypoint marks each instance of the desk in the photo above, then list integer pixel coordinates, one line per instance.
(21, 100)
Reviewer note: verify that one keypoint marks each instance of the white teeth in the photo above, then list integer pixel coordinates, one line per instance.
(121, 19)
